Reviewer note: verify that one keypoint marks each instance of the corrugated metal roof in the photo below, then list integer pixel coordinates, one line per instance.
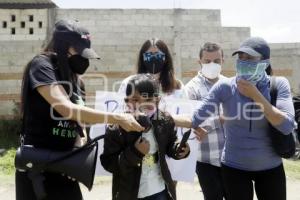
(26, 4)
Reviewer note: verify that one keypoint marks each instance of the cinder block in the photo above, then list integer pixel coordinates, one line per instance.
(135, 29)
(120, 29)
(102, 29)
(168, 23)
(137, 17)
(129, 11)
(128, 23)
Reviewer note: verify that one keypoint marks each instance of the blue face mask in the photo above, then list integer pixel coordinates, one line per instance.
(252, 71)
(148, 56)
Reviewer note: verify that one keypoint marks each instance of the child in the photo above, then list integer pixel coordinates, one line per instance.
(137, 160)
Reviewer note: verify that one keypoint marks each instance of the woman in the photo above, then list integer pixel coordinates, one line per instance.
(248, 155)
(155, 58)
(53, 108)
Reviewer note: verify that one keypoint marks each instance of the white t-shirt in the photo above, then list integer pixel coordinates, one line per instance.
(151, 181)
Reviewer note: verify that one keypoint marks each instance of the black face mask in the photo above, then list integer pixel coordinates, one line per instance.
(154, 62)
(78, 64)
(154, 66)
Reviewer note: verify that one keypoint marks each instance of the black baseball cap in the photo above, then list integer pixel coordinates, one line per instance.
(78, 36)
(255, 46)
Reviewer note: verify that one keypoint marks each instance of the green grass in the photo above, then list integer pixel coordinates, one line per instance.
(9, 140)
(7, 162)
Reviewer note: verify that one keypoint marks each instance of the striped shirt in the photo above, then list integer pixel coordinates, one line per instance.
(210, 149)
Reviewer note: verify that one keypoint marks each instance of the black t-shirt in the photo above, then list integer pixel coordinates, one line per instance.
(43, 126)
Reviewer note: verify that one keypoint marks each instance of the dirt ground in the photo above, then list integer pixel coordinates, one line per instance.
(102, 190)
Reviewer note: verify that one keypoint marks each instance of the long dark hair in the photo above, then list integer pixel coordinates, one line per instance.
(269, 70)
(57, 51)
(167, 77)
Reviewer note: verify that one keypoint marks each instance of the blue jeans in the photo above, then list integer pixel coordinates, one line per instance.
(158, 196)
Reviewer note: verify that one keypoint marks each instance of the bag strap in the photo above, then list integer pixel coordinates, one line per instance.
(273, 90)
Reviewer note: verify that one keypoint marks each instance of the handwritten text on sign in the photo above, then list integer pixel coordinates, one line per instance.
(181, 170)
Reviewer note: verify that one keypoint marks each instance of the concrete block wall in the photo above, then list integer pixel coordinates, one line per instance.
(23, 15)
(285, 60)
(14, 56)
(117, 36)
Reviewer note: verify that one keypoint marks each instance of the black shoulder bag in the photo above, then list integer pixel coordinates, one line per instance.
(284, 145)
(79, 163)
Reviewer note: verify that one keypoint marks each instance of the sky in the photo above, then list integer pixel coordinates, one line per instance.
(278, 21)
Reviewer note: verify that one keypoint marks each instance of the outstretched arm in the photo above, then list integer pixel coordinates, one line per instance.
(56, 96)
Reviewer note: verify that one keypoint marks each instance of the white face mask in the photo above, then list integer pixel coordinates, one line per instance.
(211, 70)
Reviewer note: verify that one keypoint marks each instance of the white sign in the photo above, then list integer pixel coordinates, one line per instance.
(181, 170)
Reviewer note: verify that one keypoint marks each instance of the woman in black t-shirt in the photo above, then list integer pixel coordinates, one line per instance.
(53, 107)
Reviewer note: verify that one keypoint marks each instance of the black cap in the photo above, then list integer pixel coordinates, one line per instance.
(255, 46)
(79, 37)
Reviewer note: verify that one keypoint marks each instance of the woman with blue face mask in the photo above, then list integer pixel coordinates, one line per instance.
(155, 58)
(248, 159)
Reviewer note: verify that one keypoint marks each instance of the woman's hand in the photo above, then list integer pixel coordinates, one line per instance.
(273, 114)
(247, 89)
(128, 123)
